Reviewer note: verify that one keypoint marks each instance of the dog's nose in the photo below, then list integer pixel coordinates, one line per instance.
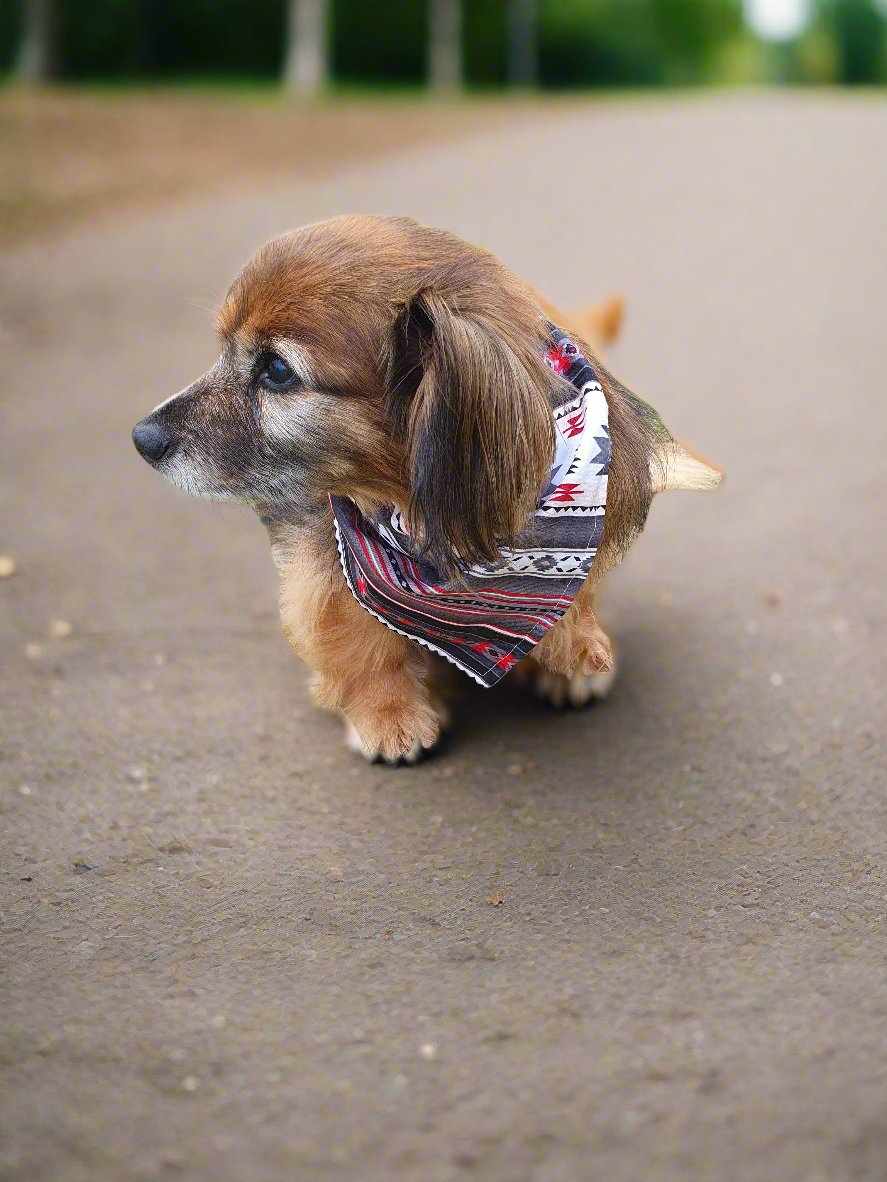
(152, 441)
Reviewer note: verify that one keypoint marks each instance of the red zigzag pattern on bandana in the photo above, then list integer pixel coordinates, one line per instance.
(499, 611)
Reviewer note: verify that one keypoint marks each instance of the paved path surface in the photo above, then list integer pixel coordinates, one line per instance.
(226, 943)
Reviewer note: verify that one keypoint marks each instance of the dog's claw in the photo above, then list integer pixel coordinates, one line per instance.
(576, 691)
(419, 751)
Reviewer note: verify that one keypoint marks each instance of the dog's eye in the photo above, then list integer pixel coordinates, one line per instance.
(275, 373)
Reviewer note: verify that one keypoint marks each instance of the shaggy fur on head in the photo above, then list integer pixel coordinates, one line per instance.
(412, 376)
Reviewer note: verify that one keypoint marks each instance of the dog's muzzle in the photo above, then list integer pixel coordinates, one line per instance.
(152, 440)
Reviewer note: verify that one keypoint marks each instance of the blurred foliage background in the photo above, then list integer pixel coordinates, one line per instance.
(563, 43)
(117, 104)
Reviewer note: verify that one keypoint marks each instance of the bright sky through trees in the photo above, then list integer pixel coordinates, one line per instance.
(777, 20)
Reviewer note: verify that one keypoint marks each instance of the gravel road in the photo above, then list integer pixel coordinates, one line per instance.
(641, 942)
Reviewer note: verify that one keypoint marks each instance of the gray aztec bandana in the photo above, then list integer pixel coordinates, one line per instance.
(498, 612)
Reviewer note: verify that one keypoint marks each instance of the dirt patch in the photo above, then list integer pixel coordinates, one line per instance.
(67, 156)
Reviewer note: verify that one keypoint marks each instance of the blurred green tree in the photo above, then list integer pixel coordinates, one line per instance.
(523, 48)
(369, 50)
(306, 65)
(37, 59)
(857, 28)
(445, 45)
(562, 43)
(486, 53)
(634, 42)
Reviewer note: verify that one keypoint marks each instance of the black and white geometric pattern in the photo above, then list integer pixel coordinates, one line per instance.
(499, 611)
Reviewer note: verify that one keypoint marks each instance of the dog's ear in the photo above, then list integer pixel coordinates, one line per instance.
(467, 393)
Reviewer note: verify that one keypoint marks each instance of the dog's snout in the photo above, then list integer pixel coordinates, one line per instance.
(152, 440)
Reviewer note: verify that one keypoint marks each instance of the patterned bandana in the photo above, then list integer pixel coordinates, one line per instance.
(485, 622)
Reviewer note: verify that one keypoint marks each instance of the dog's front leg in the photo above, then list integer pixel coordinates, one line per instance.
(576, 660)
(375, 677)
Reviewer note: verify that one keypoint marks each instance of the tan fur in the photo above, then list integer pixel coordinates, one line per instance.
(375, 677)
(681, 467)
(423, 387)
(600, 323)
(371, 667)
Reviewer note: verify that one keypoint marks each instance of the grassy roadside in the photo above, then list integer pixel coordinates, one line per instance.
(72, 156)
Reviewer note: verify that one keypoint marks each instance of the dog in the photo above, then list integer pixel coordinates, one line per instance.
(408, 376)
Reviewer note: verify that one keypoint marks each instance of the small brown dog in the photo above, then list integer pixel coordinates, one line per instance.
(397, 366)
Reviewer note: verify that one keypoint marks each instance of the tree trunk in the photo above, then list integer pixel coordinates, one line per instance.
(37, 58)
(523, 56)
(445, 47)
(306, 69)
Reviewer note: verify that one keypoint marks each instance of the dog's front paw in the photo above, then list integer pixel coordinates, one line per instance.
(400, 733)
(578, 690)
(597, 656)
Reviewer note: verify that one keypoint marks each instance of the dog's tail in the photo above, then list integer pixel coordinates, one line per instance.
(673, 464)
(681, 466)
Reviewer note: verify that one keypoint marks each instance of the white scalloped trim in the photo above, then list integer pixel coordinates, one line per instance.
(593, 395)
(406, 635)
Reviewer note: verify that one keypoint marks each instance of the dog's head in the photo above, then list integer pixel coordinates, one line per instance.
(377, 359)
